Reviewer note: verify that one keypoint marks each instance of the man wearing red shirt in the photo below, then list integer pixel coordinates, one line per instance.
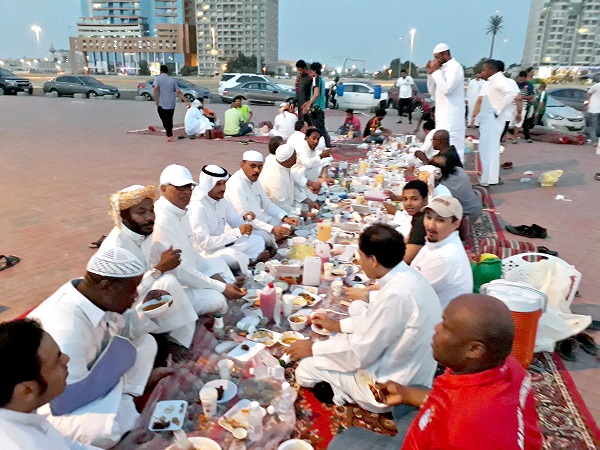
(484, 400)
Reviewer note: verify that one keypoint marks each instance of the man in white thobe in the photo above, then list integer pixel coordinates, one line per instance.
(493, 107)
(390, 339)
(443, 260)
(311, 164)
(210, 214)
(133, 214)
(299, 134)
(248, 197)
(206, 281)
(196, 123)
(472, 96)
(90, 319)
(284, 122)
(445, 82)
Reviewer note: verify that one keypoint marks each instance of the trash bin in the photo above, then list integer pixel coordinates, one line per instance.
(377, 91)
(340, 90)
(526, 305)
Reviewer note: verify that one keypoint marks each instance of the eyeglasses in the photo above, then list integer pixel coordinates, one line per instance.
(187, 187)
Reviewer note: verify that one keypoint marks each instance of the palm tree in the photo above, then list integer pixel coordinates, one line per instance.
(494, 26)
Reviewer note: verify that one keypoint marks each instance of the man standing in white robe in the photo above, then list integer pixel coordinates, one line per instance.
(472, 96)
(90, 320)
(210, 214)
(132, 210)
(206, 281)
(390, 339)
(196, 123)
(248, 197)
(445, 82)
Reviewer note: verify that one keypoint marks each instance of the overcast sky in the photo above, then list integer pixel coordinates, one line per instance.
(328, 31)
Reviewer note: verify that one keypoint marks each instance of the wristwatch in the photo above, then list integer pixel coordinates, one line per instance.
(155, 273)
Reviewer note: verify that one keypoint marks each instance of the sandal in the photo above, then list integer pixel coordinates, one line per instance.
(540, 232)
(587, 343)
(547, 251)
(7, 262)
(522, 230)
(566, 349)
(597, 176)
(98, 243)
(507, 165)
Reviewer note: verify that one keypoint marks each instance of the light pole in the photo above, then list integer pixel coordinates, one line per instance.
(37, 30)
(412, 44)
(214, 51)
(400, 57)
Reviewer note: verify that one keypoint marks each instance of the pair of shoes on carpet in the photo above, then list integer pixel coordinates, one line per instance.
(532, 232)
(566, 349)
(547, 251)
(507, 165)
(6, 262)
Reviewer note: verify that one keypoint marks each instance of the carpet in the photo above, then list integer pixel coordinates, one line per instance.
(179, 131)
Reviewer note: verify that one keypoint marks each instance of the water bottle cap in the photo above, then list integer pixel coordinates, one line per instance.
(271, 285)
(254, 405)
(285, 385)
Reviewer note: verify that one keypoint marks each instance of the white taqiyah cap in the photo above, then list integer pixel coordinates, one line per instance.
(176, 175)
(115, 262)
(441, 47)
(253, 155)
(284, 152)
(445, 206)
(196, 103)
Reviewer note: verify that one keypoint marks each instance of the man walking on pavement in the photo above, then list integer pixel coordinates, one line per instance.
(164, 89)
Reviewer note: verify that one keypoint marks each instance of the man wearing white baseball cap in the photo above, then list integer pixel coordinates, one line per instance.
(443, 260)
(206, 281)
(284, 121)
(445, 82)
(196, 123)
(248, 198)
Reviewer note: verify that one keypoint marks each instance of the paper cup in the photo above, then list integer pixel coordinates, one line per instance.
(288, 304)
(225, 366)
(208, 398)
(327, 268)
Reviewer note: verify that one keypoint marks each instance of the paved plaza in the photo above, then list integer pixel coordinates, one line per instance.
(61, 158)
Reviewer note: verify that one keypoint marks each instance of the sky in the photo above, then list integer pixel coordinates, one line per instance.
(328, 31)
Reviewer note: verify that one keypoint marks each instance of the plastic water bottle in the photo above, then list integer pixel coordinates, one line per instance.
(285, 406)
(255, 418)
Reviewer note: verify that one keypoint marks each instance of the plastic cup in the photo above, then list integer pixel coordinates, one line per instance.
(225, 366)
(336, 288)
(278, 293)
(288, 304)
(208, 398)
(327, 268)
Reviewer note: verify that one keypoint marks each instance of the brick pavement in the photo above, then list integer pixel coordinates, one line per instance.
(62, 158)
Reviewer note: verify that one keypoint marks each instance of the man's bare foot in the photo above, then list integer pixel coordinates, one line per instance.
(171, 139)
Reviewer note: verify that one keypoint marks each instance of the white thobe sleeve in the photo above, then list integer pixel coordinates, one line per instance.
(431, 86)
(447, 80)
(372, 334)
(308, 161)
(505, 94)
(278, 195)
(269, 207)
(200, 219)
(233, 219)
(434, 268)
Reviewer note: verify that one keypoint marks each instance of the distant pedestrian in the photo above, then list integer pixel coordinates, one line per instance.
(303, 86)
(527, 94)
(165, 89)
(315, 106)
(445, 82)
(540, 103)
(330, 90)
(593, 113)
(406, 89)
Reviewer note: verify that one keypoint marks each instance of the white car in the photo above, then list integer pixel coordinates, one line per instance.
(357, 95)
(562, 117)
(229, 80)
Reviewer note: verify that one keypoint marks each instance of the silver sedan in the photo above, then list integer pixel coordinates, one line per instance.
(258, 92)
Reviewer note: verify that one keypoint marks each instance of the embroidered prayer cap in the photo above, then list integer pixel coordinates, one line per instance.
(436, 171)
(445, 206)
(441, 47)
(115, 262)
(176, 175)
(196, 104)
(284, 152)
(209, 176)
(253, 155)
(128, 197)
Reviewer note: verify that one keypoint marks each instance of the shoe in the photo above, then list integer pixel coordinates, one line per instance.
(566, 349)
(587, 343)
(547, 251)
(529, 141)
(540, 232)
(400, 121)
(597, 176)
(410, 122)
(323, 392)
(98, 243)
(515, 142)
(522, 230)
(507, 165)
(7, 262)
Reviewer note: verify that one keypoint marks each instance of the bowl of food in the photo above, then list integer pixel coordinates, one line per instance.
(299, 303)
(155, 304)
(297, 322)
(288, 337)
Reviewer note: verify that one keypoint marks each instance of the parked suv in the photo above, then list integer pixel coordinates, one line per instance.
(229, 80)
(11, 83)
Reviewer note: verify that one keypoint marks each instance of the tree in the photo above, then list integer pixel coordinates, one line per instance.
(494, 26)
(143, 69)
(242, 64)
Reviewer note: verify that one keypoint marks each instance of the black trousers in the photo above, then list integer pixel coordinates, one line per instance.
(317, 120)
(166, 117)
(528, 124)
(405, 102)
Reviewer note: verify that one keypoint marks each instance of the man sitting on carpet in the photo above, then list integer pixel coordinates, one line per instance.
(311, 164)
(351, 124)
(132, 210)
(206, 281)
(37, 376)
(91, 321)
(234, 121)
(484, 400)
(443, 261)
(374, 131)
(248, 198)
(210, 213)
(299, 134)
(196, 123)
(390, 339)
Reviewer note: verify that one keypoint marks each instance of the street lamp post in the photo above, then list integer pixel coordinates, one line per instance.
(412, 44)
(37, 30)
(400, 57)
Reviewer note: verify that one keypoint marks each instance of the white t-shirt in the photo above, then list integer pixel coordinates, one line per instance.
(405, 85)
(594, 105)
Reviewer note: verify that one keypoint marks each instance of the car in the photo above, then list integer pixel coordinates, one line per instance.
(79, 84)
(359, 95)
(287, 87)
(11, 83)
(562, 117)
(229, 80)
(422, 101)
(258, 92)
(191, 91)
(575, 98)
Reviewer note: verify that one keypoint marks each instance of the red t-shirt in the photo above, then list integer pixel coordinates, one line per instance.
(490, 410)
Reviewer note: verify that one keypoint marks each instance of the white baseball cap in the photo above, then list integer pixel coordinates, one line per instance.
(176, 175)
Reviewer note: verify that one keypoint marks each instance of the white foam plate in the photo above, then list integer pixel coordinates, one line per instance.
(244, 355)
(169, 409)
(228, 393)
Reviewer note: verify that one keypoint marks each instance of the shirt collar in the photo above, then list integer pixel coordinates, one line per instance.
(93, 313)
(170, 207)
(211, 200)
(31, 419)
(400, 267)
(450, 238)
(135, 237)
(244, 177)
